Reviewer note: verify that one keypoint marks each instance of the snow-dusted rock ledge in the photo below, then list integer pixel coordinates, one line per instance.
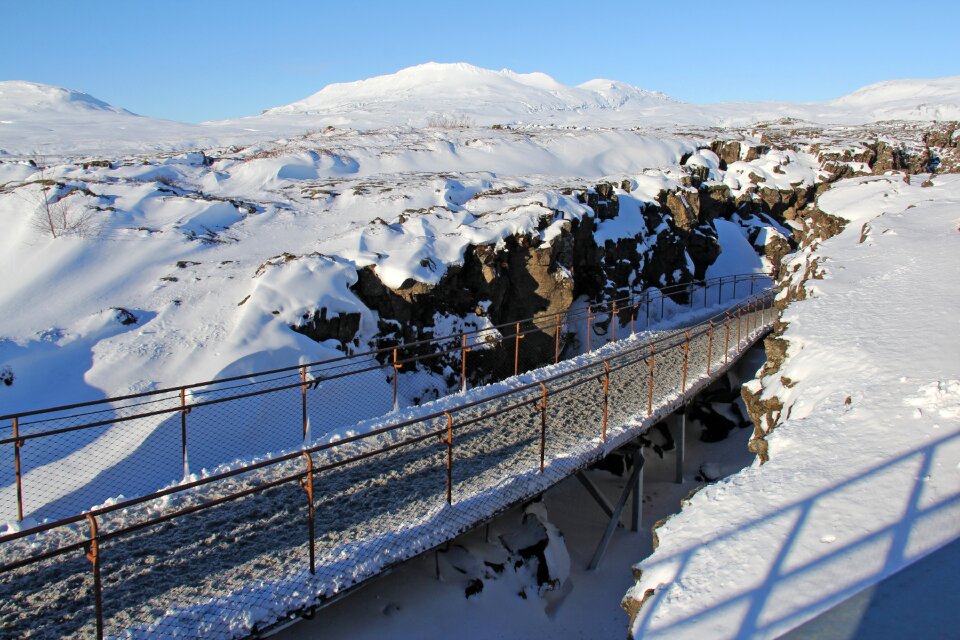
(863, 477)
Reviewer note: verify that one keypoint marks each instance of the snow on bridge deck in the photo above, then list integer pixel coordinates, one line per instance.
(379, 499)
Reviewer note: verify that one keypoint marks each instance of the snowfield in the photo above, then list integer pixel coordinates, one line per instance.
(864, 470)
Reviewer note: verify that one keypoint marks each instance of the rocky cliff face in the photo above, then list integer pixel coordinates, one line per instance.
(525, 275)
(898, 148)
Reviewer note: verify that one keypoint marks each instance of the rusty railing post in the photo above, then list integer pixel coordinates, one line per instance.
(542, 408)
(739, 332)
(613, 323)
(396, 374)
(449, 457)
(589, 327)
(17, 443)
(606, 396)
(710, 347)
(556, 342)
(303, 401)
(686, 353)
(726, 340)
(307, 484)
(516, 350)
(653, 351)
(184, 410)
(93, 555)
(463, 362)
(746, 323)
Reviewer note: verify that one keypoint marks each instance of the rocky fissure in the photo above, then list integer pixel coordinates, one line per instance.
(524, 275)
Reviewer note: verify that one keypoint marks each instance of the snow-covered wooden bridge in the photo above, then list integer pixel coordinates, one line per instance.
(228, 553)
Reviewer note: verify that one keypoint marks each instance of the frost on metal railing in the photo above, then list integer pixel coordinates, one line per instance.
(287, 532)
(60, 461)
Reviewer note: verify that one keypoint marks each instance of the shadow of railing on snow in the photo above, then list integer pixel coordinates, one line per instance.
(757, 619)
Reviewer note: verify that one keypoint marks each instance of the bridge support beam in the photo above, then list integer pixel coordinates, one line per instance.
(634, 488)
(595, 493)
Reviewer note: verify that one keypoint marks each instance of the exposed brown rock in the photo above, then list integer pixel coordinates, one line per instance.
(632, 606)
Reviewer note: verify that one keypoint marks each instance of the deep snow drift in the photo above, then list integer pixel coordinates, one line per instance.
(863, 471)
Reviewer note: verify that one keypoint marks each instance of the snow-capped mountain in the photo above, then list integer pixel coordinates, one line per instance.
(463, 87)
(919, 99)
(18, 96)
(37, 118)
(41, 119)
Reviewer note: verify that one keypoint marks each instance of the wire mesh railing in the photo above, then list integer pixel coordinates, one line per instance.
(66, 459)
(305, 524)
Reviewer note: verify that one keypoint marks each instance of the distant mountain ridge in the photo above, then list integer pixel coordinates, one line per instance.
(21, 95)
(473, 88)
(38, 118)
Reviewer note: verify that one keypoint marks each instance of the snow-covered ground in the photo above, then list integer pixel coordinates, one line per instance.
(864, 470)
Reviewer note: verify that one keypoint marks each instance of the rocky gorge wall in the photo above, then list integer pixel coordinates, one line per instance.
(524, 275)
(924, 150)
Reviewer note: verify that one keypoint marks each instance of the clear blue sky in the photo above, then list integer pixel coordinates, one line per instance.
(197, 60)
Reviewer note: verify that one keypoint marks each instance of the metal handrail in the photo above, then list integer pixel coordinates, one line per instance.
(700, 329)
(18, 438)
(592, 368)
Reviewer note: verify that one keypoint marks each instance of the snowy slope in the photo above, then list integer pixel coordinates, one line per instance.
(863, 471)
